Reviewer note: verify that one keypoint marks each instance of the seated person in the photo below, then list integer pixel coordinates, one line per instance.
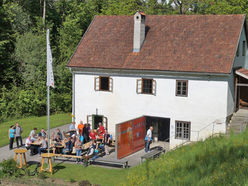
(29, 146)
(68, 146)
(92, 135)
(91, 149)
(43, 146)
(33, 134)
(59, 133)
(57, 139)
(42, 133)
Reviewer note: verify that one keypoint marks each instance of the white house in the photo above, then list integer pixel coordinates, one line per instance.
(177, 70)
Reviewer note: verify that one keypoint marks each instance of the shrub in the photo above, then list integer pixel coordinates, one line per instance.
(84, 183)
(9, 168)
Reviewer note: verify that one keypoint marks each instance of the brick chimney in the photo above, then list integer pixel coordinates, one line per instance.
(139, 31)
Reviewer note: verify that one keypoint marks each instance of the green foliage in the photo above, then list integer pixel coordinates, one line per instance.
(216, 161)
(29, 123)
(9, 168)
(23, 43)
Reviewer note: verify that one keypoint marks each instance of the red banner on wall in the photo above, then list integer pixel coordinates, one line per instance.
(130, 136)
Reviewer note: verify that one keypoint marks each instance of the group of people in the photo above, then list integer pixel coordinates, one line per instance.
(67, 142)
(15, 132)
(77, 137)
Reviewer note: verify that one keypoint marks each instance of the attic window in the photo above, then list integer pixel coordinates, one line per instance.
(103, 84)
(137, 17)
(146, 86)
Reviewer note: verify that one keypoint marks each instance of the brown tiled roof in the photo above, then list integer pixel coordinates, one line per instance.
(192, 43)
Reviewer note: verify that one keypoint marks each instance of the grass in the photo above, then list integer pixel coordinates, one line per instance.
(94, 174)
(216, 161)
(29, 123)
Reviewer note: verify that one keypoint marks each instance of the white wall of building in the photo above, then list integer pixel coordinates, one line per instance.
(206, 103)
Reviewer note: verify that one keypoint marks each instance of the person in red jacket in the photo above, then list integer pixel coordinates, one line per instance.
(101, 130)
(92, 135)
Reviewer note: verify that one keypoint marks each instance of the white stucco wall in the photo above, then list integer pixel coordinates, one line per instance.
(206, 102)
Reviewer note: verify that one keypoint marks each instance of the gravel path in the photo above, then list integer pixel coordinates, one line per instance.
(5, 153)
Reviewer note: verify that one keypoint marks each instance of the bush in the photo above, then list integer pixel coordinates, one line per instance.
(84, 183)
(9, 168)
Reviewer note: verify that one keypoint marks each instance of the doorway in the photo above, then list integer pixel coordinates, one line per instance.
(95, 119)
(161, 127)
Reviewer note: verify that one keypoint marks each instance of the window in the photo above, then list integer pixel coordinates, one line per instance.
(182, 130)
(146, 86)
(237, 52)
(182, 88)
(244, 49)
(103, 84)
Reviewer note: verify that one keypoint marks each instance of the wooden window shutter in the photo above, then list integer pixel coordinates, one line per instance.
(105, 122)
(89, 119)
(111, 84)
(97, 83)
(139, 86)
(154, 86)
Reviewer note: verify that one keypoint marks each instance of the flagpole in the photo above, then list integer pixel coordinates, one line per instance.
(48, 117)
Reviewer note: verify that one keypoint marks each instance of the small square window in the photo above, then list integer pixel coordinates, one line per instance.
(182, 88)
(182, 130)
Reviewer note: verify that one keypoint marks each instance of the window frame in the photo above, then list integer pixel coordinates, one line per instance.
(237, 52)
(181, 90)
(140, 83)
(244, 48)
(97, 85)
(183, 130)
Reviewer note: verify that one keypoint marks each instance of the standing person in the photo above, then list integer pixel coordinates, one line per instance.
(80, 128)
(18, 133)
(106, 140)
(148, 139)
(101, 130)
(72, 128)
(78, 146)
(86, 133)
(11, 137)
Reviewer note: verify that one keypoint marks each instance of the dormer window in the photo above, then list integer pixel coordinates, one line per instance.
(103, 83)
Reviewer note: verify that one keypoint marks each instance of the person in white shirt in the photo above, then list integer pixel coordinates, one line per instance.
(148, 139)
(29, 146)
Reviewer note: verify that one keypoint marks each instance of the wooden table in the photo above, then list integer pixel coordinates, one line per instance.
(36, 143)
(49, 157)
(21, 153)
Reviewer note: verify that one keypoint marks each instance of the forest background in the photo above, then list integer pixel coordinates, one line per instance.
(23, 25)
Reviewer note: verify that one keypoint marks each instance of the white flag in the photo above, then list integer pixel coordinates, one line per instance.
(50, 78)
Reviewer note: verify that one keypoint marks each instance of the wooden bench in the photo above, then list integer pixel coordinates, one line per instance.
(83, 157)
(123, 163)
(151, 155)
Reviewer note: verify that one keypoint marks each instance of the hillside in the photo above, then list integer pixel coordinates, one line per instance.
(219, 160)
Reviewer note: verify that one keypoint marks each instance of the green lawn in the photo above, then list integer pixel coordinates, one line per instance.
(29, 123)
(94, 174)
